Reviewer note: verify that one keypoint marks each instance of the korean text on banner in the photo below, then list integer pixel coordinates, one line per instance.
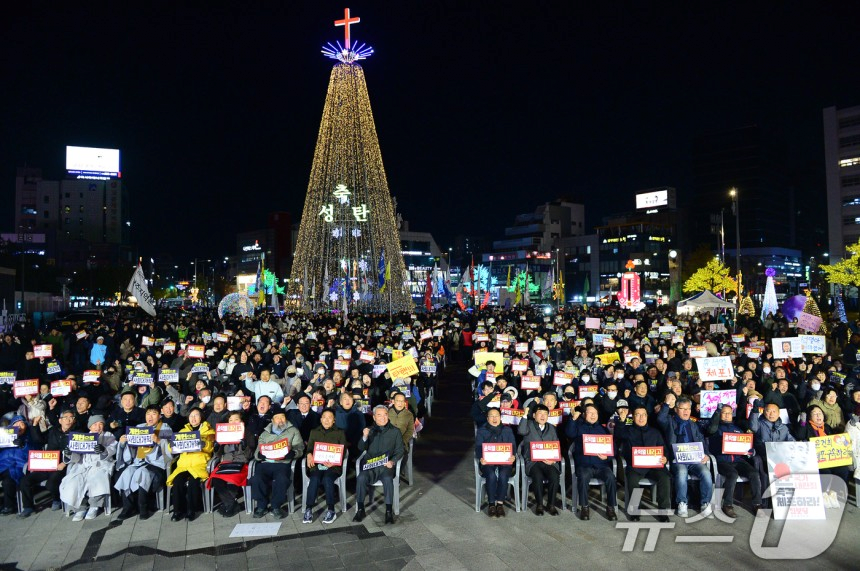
(545, 450)
(325, 453)
(737, 444)
(229, 432)
(710, 401)
(689, 452)
(608, 358)
(814, 344)
(276, 450)
(187, 442)
(141, 436)
(715, 368)
(647, 456)
(833, 450)
(196, 351)
(402, 368)
(138, 288)
(808, 322)
(598, 445)
(43, 460)
(497, 453)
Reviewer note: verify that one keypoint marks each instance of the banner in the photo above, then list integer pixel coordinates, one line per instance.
(592, 323)
(61, 388)
(511, 416)
(83, 442)
(530, 383)
(43, 461)
(367, 356)
(521, 347)
(519, 365)
(545, 450)
(497, 453)
(710, 402)
(195, 352)
(697, 351)
(737, 444)
(375, 462)
(137, 287)
(785, 347)
(142, 380)
(561, 378)
(325, 453)
(588, 391)
(428, 367)
(168, 376)
(141, 436)
(689, 452)
(539, 344)
(647, 456)
(833, 450)
(482, 358)
(7, 437)
(815, 344)
(343, 364)
(598, 445)
(715, 368)
(229, 432)
(186, 442)
(609, 358)
(792, 468)
(7, 377)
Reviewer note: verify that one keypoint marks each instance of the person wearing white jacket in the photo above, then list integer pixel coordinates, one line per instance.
(265, 387)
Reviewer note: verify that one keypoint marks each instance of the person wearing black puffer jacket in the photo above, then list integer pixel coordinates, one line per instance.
(640, 434)
(497, 475)
(588, 466)
(383, 447)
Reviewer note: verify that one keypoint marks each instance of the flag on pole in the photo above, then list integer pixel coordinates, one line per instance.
(526, 298)
(508, 283)
(428, 292)
(548, 283)
(383, 274)
(137, 288)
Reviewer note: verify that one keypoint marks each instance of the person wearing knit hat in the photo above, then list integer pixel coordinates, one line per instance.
(86, 486)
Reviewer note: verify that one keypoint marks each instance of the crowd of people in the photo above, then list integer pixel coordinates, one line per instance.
(191, 401)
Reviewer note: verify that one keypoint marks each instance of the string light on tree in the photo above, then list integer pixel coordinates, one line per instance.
(348, 213)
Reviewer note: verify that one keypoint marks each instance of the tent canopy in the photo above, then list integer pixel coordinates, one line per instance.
(704, 301)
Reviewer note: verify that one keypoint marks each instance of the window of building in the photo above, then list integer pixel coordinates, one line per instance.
(849, 141)
(81, 208)
(853, 200)
(849, 122)
(47, 199)
(849, 162)
(850, 181)
(67, 209)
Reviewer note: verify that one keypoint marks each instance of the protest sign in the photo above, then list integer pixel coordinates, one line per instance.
(61, 388)
(631, 323)
(833, 450)
(715, 368)
(647, 456)
(7, 377)
(530, 383)
(737, 444)
(545, 450)
(195, 351)
(482, 358)
(718, 328)
(815, 344)
(83, 442)
(367, 356)
(43, 460)
(201, 368)
(147, 341)
(785, 347)
(511, 416)
(598, 445)
(519, 365)
(343, 364)
(555, 416)
(592, 323)
(91, 376)
(561, 378)
(752, 352)
(169, 347)
(43, 351)
(143, 380)
(168, 376)
(53, 368)
(539, 344)
(808, 322)
(793, 469)
(275, 450)
(80, 334)
(139, 436)
(497, 453)
(375, 462)
(186, 442)
(588, 391)
(378, 370)
(25, 387)
(325, 453)
(710, 401)
(608, 358)
(7, 437)
(229, 432)
(521, 347)
(689, 452)
(402, 368)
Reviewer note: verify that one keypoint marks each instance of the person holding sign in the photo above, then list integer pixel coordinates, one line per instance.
(88, 475)
(383, 447)
(730, 464)
(13, 457)
(816, 427)
(496, 471)
(279, 443)
(190, 470)
(143, 469)
(56, 439)
(327, 472)
(590, 463)
(231, 472)
(679, 429)
(640, 435)
(767, 429)
(535, 428)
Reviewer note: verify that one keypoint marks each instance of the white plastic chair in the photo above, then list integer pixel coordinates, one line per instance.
(340, 482)
(481, 482)
(373, 486)
(526, 480)
(574, 480)
(291, 489)
(246, 489)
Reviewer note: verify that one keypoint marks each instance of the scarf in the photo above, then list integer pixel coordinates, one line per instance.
(683, 431)
(818, 429)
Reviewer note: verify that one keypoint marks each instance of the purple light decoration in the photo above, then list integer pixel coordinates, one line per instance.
(347, 55)
(793, 306)
(770, 272)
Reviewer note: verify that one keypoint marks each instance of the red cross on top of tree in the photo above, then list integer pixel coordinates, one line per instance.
(346, 23)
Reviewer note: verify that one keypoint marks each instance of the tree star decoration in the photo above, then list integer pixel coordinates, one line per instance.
(356, 296)
(356, 232)
(332, 296)
(337, 232)
(362, 265)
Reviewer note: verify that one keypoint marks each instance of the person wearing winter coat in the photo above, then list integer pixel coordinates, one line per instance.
(12, 462)
(383, 447)
(88, 475)
(497, 475)
(273, 470)
(640, 434)
(190, 470)
(535, 428)
(327, 473)
(587, 466)
(231, 471)
(732, 466)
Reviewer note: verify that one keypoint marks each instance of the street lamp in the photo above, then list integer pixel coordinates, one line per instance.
(736, 211)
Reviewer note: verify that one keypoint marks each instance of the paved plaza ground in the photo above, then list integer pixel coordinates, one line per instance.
(438, 528)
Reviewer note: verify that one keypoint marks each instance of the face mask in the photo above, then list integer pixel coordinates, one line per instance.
(158, 355)
(619, 375)
(815, 386)
(612, 394)
(586, 378)
(205, 400)
(232, 360)
(766, 371)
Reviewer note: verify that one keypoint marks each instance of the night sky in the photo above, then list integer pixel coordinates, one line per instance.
(483, 109)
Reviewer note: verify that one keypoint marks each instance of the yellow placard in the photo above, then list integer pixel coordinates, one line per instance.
(482, 358)
(833, 450)
(402, 368)
(609, 358)
(397, 354)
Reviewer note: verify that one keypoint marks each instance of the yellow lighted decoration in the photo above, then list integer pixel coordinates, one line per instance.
(347, 168)
(846, 271)
(714, 277)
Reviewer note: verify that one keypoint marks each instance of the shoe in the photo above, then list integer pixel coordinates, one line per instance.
(329, 516)
(177, 516)
(125, 514)
(539, 510)
(232, 510)
(56, 506)
(92, 513)
(730, 511)
(259, 512)
(585, 513)
(500, 510)
(389, 516)
(359, 515)
(79, 515)
(706, 511)
(662, 518)
(757, 508)
(552, 510)
(491, 511)
(308, 517)
(633, 517)
(26, 512)
(278, 514)
(144, 515)
(191, 516)
(682, 510)
(7, 511)
(610, 514)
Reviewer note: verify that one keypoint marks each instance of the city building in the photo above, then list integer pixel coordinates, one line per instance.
(421, 254)
(842, 169)
(275, 242)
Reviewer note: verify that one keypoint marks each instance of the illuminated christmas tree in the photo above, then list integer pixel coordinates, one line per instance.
(769, 305)
(747, 307)
(811, 307)
(839, 312)
(348, 222)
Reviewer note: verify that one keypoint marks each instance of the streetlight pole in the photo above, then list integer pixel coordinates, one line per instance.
(736, 211)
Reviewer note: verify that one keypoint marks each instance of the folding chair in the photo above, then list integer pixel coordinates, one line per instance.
(373, 486)
(246, 489)
(481, 482)
(340, 482)
(526, 480)
(574, 480)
